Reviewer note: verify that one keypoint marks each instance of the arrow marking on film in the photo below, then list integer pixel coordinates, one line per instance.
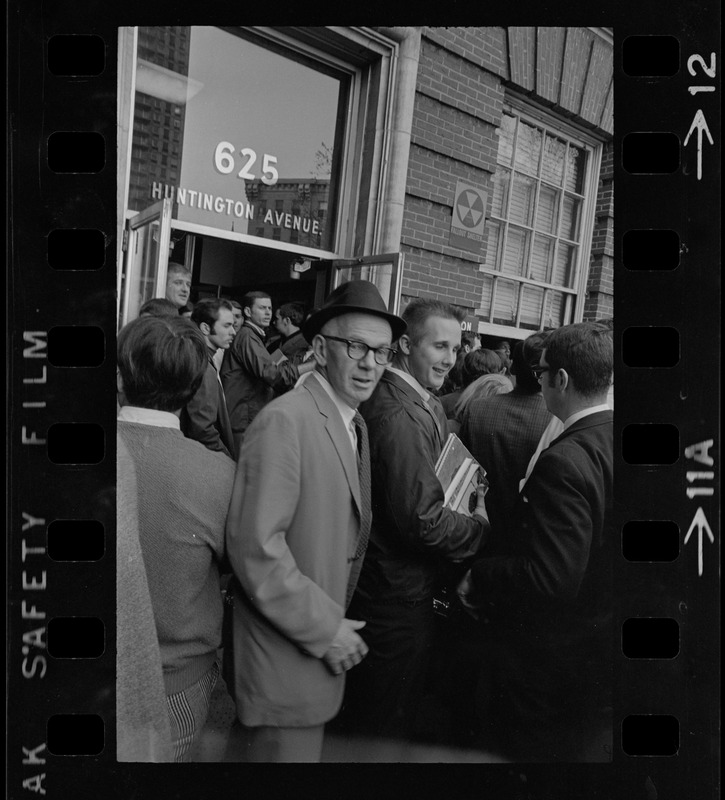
(700, 522)
(700, 126)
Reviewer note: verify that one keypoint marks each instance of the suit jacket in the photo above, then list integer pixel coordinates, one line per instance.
(292, 527)
(502, 433)
(250, 377)
(551, 588)
(205, 417)
(412, 534)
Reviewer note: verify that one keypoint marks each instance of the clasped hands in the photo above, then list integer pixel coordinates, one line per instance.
(347, 648)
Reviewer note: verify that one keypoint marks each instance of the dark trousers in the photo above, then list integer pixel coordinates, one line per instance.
(528, 702)
(383, 690)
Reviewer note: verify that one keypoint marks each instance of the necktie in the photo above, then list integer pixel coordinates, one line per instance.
(366, 514)
(363, 465)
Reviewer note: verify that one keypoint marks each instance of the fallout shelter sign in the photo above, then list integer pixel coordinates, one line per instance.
(469, 216)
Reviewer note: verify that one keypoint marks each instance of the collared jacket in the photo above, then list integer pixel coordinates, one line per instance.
(549, 582)
(413, 537)
(250, 377)
(205, 416)
(292, 529)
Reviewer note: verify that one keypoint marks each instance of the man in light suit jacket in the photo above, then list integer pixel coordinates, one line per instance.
(544, 683)
(297, 530)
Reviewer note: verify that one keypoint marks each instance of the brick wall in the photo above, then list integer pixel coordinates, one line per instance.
(458, 105)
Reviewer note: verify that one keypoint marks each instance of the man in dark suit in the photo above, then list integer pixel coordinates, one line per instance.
(502, 431)
(205, 417)
(543, 681)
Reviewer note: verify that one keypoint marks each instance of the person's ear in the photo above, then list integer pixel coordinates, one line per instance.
(246, 312)
(404, 344)
(204, 328)
(562, 380)
(319, 349)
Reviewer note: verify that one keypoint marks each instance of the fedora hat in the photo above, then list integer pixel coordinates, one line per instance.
(361, 297)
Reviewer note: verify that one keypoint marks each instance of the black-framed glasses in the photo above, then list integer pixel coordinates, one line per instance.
(358, 350)
(538, 370)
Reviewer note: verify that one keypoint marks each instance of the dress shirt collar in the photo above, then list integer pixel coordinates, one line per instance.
(149, 416)
(585, 412)
(346, 412)
(411, 381)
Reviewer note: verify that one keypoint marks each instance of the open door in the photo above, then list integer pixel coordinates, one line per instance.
(385, 271)
(146, 259)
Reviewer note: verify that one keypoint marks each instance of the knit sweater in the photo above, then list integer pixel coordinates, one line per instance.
(183, 498)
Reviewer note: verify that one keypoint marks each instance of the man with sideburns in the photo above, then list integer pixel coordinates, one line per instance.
(297, 532)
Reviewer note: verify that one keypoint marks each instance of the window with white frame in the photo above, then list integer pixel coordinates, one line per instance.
(540, 227)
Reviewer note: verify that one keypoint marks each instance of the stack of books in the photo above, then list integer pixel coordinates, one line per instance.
(459, 474)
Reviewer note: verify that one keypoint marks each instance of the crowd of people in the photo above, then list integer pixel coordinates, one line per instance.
(285, 548)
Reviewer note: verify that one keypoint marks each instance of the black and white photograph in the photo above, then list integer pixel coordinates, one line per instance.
(312, 451)
(390, 239)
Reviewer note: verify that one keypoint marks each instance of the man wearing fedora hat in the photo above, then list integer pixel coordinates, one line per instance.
(297, 531)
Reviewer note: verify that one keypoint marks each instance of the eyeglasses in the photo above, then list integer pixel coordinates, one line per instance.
(538, 371)
(358, 350)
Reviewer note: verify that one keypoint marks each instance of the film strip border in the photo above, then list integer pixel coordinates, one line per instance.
(62, 416)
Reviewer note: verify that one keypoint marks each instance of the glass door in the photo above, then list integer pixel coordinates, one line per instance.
(385, 271)
(147, 253)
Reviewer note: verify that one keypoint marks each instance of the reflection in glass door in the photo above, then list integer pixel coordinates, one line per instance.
(385, 271)
(147, 254)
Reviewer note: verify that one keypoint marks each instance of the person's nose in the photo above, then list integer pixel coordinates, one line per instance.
(368, 361)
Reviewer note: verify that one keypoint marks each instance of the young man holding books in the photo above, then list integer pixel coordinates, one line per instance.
(414, 537)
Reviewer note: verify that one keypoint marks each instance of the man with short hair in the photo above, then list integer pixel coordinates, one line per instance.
(178, 284)
(297, 532)
(238, 315)
(249, 374)
(545, 663)
(414, 538)
(503, 348)
(502, 431)
(161, 363)
(293, 346)
(205, 417)
(158, 307)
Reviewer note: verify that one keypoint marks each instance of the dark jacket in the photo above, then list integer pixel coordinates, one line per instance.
(413, 536)
(552, 585)
(250, 377)
(205, 416)
(295, 347)
(502, 433)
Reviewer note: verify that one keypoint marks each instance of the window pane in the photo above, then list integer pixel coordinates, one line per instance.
(493, 256)
(570, 216)
(506, 139)
(531, 299)
(565, 265)
(501, 179)
(547, 212)
(552, 168)
(542, 258)
(575, 169)
(522, 199)
(528, 148)
(554, 310)
(504, 309)
(486, 297)
(250, 125)
(514, 259)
